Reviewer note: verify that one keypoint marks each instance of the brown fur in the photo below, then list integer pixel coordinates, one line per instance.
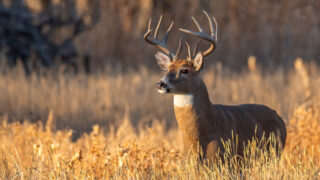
(204, 124)
(175, 65)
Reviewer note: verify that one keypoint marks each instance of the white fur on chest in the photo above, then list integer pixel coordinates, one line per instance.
(182, 100)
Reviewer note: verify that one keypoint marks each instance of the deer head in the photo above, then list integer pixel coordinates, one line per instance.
(182, 74)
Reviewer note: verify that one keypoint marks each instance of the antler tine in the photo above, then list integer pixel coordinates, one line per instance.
(156, 32)
(149, 30)
(162, 45)
(196, 49)
(189, 52)
(210, 23)
(197, 24)
(217, 27)
(165, 37)
(178, 50)
(149, 25)
(212, 38)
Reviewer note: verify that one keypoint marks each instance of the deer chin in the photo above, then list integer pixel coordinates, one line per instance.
(163, 90)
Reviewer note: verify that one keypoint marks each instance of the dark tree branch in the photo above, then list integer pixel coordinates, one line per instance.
(23, 32)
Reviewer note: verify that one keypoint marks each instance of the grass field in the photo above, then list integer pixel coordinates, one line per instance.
(115, 125)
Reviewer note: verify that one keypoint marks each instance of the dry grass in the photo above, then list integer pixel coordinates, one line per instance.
(137, 135)
(32, 151)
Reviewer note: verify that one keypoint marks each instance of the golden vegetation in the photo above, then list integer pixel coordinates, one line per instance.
(31, 151)
(131, 131)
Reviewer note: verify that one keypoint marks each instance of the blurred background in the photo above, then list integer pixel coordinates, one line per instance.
(96, 34)
(85, 61)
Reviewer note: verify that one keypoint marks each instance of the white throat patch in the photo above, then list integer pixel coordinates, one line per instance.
(182, 100)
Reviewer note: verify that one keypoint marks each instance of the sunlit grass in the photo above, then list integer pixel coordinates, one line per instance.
(34, 151)
(126, 130)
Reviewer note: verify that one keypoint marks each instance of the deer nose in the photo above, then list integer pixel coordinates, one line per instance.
(161, 84)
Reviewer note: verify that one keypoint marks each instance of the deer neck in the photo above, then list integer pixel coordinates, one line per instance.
(192, 111)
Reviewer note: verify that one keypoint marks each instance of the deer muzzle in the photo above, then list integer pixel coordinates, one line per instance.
(162, 87)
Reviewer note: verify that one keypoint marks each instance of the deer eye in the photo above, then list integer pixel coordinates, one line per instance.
(184, 71)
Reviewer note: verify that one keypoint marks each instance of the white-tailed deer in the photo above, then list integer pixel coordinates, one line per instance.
(202, 123)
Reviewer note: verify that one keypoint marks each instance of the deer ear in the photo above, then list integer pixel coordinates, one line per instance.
(163, 60)
(198, 61)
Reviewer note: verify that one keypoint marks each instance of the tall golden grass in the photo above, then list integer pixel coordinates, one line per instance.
(126, 130)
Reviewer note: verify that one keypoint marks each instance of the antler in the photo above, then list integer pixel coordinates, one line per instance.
(212, 38)
(189, 57)
(162, 45)
(178, 50)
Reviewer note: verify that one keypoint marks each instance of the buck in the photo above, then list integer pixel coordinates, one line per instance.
(205, 125)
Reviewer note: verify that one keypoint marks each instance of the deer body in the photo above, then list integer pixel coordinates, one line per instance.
(205, 125)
